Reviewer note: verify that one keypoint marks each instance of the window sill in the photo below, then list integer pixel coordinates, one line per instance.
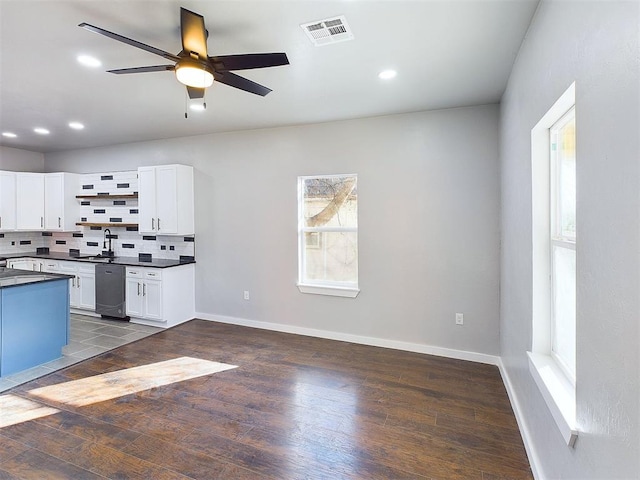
(348, 292)
(558, 392)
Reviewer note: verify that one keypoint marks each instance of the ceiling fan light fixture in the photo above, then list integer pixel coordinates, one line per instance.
(193, 74)
(198, 107)
(387, 74)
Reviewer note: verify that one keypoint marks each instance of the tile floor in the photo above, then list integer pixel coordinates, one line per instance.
(89, 336)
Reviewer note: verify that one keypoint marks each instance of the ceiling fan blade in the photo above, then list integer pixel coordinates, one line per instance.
(129, 41)
(242, 83)
(195, 92)
(249, 60)
(153, 68)
(194, 35)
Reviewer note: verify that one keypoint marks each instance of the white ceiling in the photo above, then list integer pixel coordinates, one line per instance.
(448, 53)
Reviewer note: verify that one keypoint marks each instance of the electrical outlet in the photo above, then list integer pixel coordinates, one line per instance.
(459, 319)
(246, 294)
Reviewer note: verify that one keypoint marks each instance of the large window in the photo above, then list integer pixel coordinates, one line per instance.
(552, 359)
(562, 241)
(328, 235)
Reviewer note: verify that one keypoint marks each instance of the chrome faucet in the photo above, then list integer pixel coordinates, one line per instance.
(104, 245)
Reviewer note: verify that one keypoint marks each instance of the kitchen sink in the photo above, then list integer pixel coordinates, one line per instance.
(95, 258)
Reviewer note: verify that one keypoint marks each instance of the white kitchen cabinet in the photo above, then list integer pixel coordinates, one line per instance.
(86, 285)
(29, 201)
(23, 264)
(82, 287)
(165, 200)
(161, 297)
(144, 293)
(134, 296)
(152, 294)
(46, 201)
(7, 201)
(61, 209)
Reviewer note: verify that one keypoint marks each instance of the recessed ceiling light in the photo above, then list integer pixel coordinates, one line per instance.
(76, 125)
(9, 134)
(387, 74)
(88, 61)
(41, 131)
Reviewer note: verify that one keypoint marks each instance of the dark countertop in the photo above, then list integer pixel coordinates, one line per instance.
(130, 261)
(10, 277)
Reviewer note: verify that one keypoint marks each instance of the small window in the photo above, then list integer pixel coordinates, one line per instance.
(328, 235)
(552, 359)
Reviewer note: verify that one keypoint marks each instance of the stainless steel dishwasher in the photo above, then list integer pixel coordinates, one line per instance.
(110, 290)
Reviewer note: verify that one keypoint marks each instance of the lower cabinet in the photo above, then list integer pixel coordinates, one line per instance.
(144, 293)
(160, 296)
(82, 287)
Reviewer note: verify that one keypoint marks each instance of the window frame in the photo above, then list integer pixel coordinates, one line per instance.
(321, 287)
(557, 238)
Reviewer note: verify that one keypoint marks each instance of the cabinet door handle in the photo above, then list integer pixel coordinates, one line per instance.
(78, 282)
(138, 288)
(158, 224)
(59, 225)
(144, 289)
(41, 222)
(153, 224)
(0, 222)
(73, 282)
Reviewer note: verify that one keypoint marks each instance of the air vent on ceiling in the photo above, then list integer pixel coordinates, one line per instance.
(331, 30)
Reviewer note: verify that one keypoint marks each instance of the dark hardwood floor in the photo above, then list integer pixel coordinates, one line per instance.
(296, 407)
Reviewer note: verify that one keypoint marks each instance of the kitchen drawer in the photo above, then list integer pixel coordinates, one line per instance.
(51, 266)
(134, 272)
(87, 268)
(153, 274)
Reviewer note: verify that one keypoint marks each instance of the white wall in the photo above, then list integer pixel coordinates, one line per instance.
(428, 188)
(595, 44)
(17, 160)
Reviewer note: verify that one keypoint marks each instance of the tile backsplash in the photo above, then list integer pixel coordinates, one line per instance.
(125, 241)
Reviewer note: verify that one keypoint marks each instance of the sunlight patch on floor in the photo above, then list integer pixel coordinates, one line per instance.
(15, 409)
(107, 386)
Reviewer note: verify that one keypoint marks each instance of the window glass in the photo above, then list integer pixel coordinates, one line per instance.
(567, 170)
(564, 305)
(334, 260)
(328, 231)
(330, 201)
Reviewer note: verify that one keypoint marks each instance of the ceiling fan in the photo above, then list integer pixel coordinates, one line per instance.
(193, 67)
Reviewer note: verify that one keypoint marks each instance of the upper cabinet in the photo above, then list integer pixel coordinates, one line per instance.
(61, 210)
(7, 201)
(29, 201)
(165, 200)
(46, 201)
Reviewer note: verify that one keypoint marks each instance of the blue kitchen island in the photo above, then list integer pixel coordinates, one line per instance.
(34, 318)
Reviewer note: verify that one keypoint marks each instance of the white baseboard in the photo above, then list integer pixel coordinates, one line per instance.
(346, 337)
(522, 424)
